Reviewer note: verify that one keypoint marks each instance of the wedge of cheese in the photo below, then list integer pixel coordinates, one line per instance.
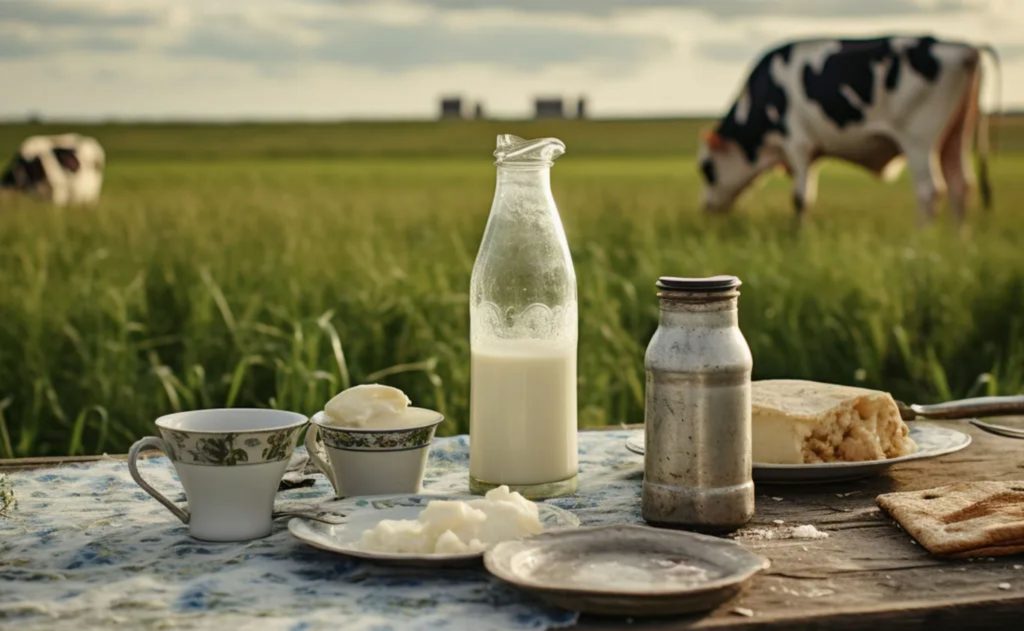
(797, 422)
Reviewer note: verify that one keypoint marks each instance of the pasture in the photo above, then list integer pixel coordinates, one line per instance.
(272, 265)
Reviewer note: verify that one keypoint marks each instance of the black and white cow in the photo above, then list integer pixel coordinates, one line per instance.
(64, 169)
(874, 102)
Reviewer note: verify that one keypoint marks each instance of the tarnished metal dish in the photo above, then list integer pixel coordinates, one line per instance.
(626, 570)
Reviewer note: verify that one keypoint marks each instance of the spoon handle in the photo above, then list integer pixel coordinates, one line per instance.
(968, 408)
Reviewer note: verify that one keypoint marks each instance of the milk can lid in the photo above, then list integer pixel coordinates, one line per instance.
(709, 284)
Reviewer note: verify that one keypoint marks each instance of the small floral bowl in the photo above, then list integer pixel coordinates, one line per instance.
(365, 461)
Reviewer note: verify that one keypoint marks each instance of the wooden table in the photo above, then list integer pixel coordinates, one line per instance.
(868, 573)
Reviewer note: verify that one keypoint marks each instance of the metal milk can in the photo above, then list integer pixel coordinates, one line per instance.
(697, 467)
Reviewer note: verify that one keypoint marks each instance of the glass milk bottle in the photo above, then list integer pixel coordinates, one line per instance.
(523, 332)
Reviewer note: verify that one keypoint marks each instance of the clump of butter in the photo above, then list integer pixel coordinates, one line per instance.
(457, 527)
(371, 405)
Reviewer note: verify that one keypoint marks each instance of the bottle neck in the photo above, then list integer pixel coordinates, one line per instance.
(687, 310)
(525, 181)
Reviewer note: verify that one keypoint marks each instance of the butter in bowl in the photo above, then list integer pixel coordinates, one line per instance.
(369, 440)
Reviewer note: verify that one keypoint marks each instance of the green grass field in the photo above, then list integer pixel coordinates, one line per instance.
(272, 265)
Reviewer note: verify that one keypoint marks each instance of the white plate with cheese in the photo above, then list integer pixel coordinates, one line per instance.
(932, 442)
(456, 535)
(806, 431)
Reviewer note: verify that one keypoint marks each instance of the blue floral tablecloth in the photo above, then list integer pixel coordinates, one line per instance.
(86, 548)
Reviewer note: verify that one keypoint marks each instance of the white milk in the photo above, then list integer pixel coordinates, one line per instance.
(522, 422)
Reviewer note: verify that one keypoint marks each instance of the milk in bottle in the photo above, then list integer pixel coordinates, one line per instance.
(523, 333)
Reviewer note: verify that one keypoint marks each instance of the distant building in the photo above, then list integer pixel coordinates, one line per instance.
(556, 107)
(548, 107)
(451, 107)
(478, 111)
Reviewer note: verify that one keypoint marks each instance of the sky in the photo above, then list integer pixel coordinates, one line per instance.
(323, 59)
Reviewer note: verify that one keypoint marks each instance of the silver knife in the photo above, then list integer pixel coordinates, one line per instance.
(964, 408)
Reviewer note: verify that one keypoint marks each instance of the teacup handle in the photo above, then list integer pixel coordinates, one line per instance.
(318, 454)
(152, 442)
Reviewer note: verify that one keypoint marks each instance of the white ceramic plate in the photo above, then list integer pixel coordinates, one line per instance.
(626, 570)
(352, 516)
(932, 441)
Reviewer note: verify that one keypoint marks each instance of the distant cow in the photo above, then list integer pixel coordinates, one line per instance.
(64, 169)
(870, 101)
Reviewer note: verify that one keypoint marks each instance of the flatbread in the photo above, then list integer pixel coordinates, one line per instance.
(967, 519)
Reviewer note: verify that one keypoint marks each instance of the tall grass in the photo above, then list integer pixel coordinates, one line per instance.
(252, 276)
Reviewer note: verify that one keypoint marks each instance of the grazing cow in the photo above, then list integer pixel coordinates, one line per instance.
(873, 102)
(64, 169)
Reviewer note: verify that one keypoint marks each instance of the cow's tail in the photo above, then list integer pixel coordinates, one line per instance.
(983, 141)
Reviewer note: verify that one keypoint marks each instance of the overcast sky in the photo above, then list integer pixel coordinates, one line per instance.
(348, 59)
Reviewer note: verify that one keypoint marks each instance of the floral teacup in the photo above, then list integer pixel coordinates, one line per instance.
(230, 462)
(372, 461)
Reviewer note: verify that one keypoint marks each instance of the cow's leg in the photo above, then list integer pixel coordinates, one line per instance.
(954, 157)
(805, 178)
(928, 184)
(957, 181)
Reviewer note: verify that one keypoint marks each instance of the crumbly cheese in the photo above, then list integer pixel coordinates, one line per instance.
(458, 518)
(456, 527)
(797, 422)
(509, 516)
(396, 535)
(371, 405)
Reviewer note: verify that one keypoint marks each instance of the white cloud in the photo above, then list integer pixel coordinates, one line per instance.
(309, 58)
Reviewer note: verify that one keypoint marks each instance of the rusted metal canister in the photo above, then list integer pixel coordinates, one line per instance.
(697, 465)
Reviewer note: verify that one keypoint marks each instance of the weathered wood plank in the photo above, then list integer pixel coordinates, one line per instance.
(956, 613)
(17, 464)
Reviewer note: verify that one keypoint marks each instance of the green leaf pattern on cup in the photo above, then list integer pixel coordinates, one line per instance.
(230, 448)
(219, 451)
(377, 441)
(278, 446)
